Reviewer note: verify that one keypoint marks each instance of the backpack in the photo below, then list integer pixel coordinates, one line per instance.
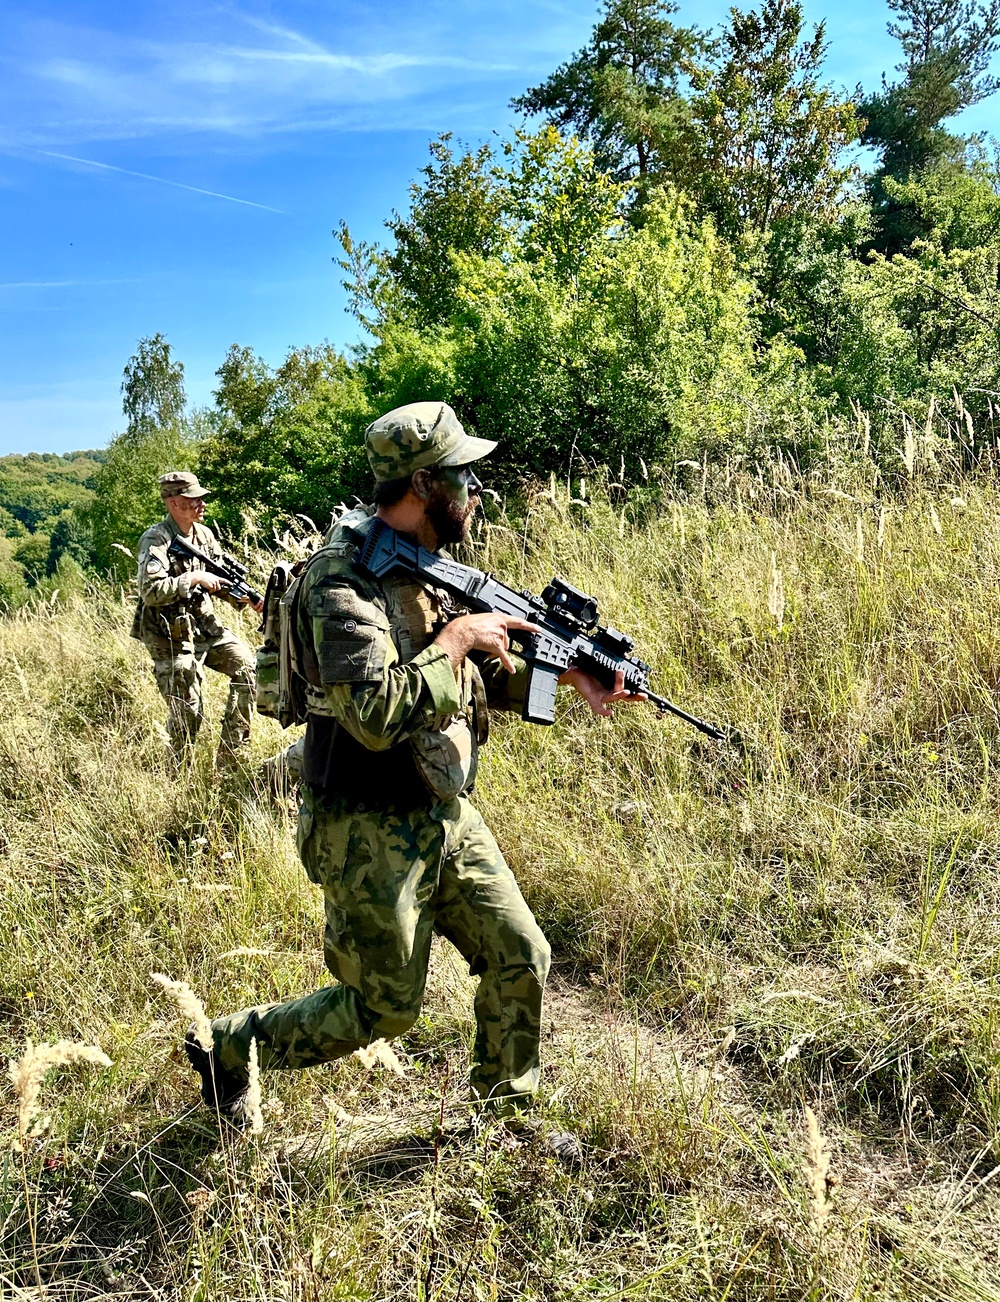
(280, 686)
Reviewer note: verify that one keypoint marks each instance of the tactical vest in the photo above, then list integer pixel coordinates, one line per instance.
(445, 758)
(187, 620)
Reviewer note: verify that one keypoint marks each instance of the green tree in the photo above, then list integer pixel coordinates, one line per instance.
(153, 386)
(71, 537)
(159, 437)
(457, 207)
(624, 93)
(642, 352)
(559, 205)
(913, 327)
(13, 583)
(288, 441)
(31, 555)
(771, 133)
(947, 47)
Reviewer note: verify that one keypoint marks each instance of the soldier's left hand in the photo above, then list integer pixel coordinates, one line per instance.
(598, 697)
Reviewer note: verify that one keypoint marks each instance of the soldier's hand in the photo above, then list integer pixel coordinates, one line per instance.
(210, 582)
(487, 632)
(598, 697)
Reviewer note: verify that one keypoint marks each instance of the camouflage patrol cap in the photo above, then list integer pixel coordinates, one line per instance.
(417, 436)
(181, 483)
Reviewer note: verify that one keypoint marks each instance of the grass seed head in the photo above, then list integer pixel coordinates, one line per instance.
(817, 1169)
(189, 1005)
(252, 1106)
(28, 1072)
(776, 592)
(380, 1051)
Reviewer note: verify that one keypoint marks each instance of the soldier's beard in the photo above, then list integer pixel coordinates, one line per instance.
(450, 517)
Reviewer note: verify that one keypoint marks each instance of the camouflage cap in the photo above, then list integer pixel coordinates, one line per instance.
(417, 436)
(181, 483)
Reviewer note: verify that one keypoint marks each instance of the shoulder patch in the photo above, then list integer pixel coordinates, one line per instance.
(350, 634)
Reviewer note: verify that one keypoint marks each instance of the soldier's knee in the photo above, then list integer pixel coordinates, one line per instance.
(539, 957)
(390, 1023)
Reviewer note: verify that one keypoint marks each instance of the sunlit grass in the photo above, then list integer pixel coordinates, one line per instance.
(773, 1020)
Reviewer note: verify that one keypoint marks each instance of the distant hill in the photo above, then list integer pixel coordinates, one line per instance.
(36, 488)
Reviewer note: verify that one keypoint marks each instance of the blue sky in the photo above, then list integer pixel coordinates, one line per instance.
(180, 167)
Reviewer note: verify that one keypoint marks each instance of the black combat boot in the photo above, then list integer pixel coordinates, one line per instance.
(222, 1090)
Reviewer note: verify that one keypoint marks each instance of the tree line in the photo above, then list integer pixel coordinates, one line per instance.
(694, 247)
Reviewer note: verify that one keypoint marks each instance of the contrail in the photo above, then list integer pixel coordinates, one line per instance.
(144, 176)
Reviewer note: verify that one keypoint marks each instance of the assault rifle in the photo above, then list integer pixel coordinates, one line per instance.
(228, 569)
(568, 635)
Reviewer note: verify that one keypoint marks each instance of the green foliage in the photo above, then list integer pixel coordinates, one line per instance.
(457, 209)
(35, 489)
(593, 337)
(947, 47)
(770, 133)
(32, 555)
(743, 123)
(288, 441)
(153, 386)
(13, 583)
(623, 92)
(906, 329)
(71, 537)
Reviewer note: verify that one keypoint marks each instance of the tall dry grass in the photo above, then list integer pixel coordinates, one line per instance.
(801, 924)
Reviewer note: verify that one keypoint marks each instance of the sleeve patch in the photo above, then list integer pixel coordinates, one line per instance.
(350, 635)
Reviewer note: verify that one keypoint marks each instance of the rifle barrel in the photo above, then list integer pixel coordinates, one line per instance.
(665, 707)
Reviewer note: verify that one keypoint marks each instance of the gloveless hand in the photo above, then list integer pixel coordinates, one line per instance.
(487, 632)
(598, 697)
(210, 582)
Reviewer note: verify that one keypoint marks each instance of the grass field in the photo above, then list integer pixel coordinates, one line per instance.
(773, 1015)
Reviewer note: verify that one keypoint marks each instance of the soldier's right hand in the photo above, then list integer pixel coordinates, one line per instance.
(486, 632)
(210, 582)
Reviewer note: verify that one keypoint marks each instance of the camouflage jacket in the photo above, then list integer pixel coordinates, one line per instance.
(366, 650)
(169, 609)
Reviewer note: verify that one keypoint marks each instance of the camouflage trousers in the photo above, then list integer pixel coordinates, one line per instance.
(179, 669)
(389, 882)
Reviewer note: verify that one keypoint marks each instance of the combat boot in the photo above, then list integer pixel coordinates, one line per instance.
(222, 1090)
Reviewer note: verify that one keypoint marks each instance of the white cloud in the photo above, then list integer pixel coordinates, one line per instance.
(66, 84)
(60, 284)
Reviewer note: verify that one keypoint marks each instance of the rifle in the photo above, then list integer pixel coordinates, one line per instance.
(228, 568)
(568, 635)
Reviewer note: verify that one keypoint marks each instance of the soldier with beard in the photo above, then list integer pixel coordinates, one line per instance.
(398, 689)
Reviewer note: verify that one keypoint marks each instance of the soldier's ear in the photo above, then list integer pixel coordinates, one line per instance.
(421, 483)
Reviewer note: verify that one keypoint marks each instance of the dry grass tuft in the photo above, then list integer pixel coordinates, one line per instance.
(188, 1004)
(252, 1103)
(817, 1169)
(380, 1052)
(28, 1073)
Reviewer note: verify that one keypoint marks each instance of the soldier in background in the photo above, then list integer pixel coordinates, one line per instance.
(397, 685)
(176, 621)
